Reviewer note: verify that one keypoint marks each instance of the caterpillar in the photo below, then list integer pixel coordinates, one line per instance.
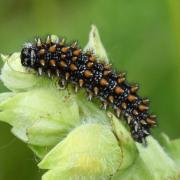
(83, 68)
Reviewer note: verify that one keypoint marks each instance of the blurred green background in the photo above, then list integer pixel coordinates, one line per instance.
(141, 37)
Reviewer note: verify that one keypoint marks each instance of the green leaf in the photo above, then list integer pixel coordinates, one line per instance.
(153, 163)
(127, 144)
(94, 44)
(172, 147)
(90, 150)
(40, 116)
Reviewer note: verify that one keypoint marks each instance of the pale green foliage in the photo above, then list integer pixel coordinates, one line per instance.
(85, 151)
(96, 45)
(14, 76)
(74, 138)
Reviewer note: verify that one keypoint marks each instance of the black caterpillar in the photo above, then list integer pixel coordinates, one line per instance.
(83, 69)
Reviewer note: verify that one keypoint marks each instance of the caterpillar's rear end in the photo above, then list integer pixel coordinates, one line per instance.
(85, 71)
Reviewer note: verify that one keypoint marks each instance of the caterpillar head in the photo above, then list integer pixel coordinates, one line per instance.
(28, 55)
